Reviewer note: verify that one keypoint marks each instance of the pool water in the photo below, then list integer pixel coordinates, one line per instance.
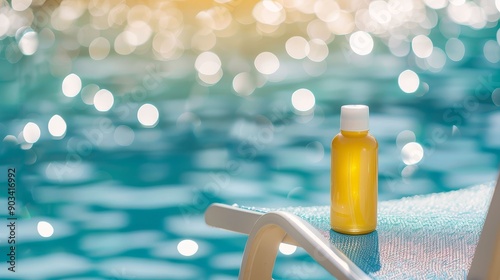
(116, 186)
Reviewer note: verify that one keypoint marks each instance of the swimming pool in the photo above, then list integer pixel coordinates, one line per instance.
(115, 185)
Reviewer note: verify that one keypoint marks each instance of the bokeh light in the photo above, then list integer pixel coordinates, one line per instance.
(327, 10)
(210, 79)
(436, 60)
(99, 48)
(4, 24)
(88, 93)
(380, 12)
(71, 85)
(267, 63)
(57, 126)
(187, 247)
(137, 33)
(361, 42)
(28, 44)
(20, 5)
(148, 115)
(491, 51)
(303, 100)
(167, 46)
(412, 153)
(422, 46)
(495, 97)
(405, 137)
(408, 81)
(344, 25)
(103, 100)
(318, 50)
(455, 49)
(297, 47)
(269, 12)
(31, 132)
(121, 44)
(123, 135)
(317, 29)
(208, 63)
(243, 84)
(436, 4)
(408, 171)
(45, 229)
(287, 249)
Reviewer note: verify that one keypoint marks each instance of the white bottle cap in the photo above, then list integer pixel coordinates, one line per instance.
(354, 117)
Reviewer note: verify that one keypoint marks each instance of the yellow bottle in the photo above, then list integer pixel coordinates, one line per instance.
(354, 174)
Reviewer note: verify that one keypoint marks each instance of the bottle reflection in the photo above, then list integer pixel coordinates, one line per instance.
(363, 250)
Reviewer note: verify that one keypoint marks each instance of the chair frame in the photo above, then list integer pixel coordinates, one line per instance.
(486, 261)
(267, 231)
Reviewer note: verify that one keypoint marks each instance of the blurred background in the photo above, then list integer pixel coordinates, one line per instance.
(126, 119)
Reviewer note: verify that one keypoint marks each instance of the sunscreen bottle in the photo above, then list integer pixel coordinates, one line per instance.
(354, 174)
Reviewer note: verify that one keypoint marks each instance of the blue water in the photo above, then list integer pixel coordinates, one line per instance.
(121, 198)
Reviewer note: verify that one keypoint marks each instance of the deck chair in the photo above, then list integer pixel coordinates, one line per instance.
(449, 235)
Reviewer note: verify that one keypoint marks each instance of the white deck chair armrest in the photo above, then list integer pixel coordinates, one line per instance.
(269, 231)
(235, 219)
(231, 218)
